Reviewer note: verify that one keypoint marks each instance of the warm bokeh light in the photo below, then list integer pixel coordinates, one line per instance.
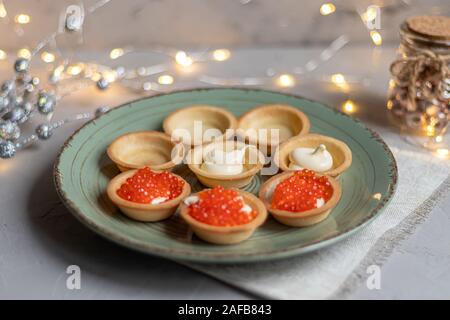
(370, 14)
(3, 12)
(116, 53)
(391, 84)
(377, 196)
(183, 59)
(286, 80)
(24, 53)
(58, 71)
(3, 55)
(389, 104)
(110, 75)
(75, 69)
(22, 18)
(376, 37)
(165, 79)
(47, 57)
(439, 139)
(349, 106)
(442, 153)
(221, 54)
(327, 8)
(96, 76)
(431, 130)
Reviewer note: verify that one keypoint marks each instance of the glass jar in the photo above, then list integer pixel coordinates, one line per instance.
(419, 91)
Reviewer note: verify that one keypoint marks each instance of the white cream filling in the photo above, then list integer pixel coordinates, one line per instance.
(159, 200)
(320, 202)
(191, 200)
(316, 159)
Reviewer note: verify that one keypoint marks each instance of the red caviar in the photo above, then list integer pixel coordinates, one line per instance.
(221, 207)
(146, 185)
(301, 191)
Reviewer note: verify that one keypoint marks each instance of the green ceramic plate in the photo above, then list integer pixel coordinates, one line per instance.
(83, 170)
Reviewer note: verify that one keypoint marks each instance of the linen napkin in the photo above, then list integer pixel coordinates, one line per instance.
(335, 271)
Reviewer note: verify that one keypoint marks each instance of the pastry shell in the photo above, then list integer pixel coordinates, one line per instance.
(341, 153)
(195, 159)
(298, 219)
(289, 120)
(227, 235)
(211, 117)
(141, 211)
(151, 149)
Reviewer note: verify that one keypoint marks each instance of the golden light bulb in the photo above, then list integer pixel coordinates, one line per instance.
(3, 55)
(24, 53)
(58, 71)
(377, 196)
(286, 80)
(165, 79)
(22, 18)
(370, 14)
(327, 8)
(349, 106)
(389, 104)
(47, 57)
(376, 37)
(116, 53)
(338, 78)
(75, 69)
(96, 76)
(391, 84)
(221, 54)
(442, 153)
(110, 75)
(3, 12)
(183, 59)
(431, 130)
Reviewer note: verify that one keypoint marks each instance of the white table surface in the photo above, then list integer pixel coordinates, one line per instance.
(39, 238)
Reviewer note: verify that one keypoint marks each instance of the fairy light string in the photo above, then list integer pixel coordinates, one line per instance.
(25, 96)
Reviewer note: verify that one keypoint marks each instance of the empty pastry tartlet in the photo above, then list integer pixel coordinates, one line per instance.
(223, 234)
(253, 161)
(215, 123)
(289, 122)
(301, 218)
(339, 151)
(145, 212)
(145, 149)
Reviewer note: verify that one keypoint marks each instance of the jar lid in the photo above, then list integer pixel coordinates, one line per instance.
(437, 27)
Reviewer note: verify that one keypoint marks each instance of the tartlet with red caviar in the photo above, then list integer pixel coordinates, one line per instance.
(148, 196)
(223, 216)
(301, 198)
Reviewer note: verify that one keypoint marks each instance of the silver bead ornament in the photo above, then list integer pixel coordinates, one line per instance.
(28, 107)
(9, 130)
(7, 149)
(44, 131)
(8, 86)
(4, 103)
(100, 111)
(21, 65)
(102, 84)
(17, 114)
(46, 103)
